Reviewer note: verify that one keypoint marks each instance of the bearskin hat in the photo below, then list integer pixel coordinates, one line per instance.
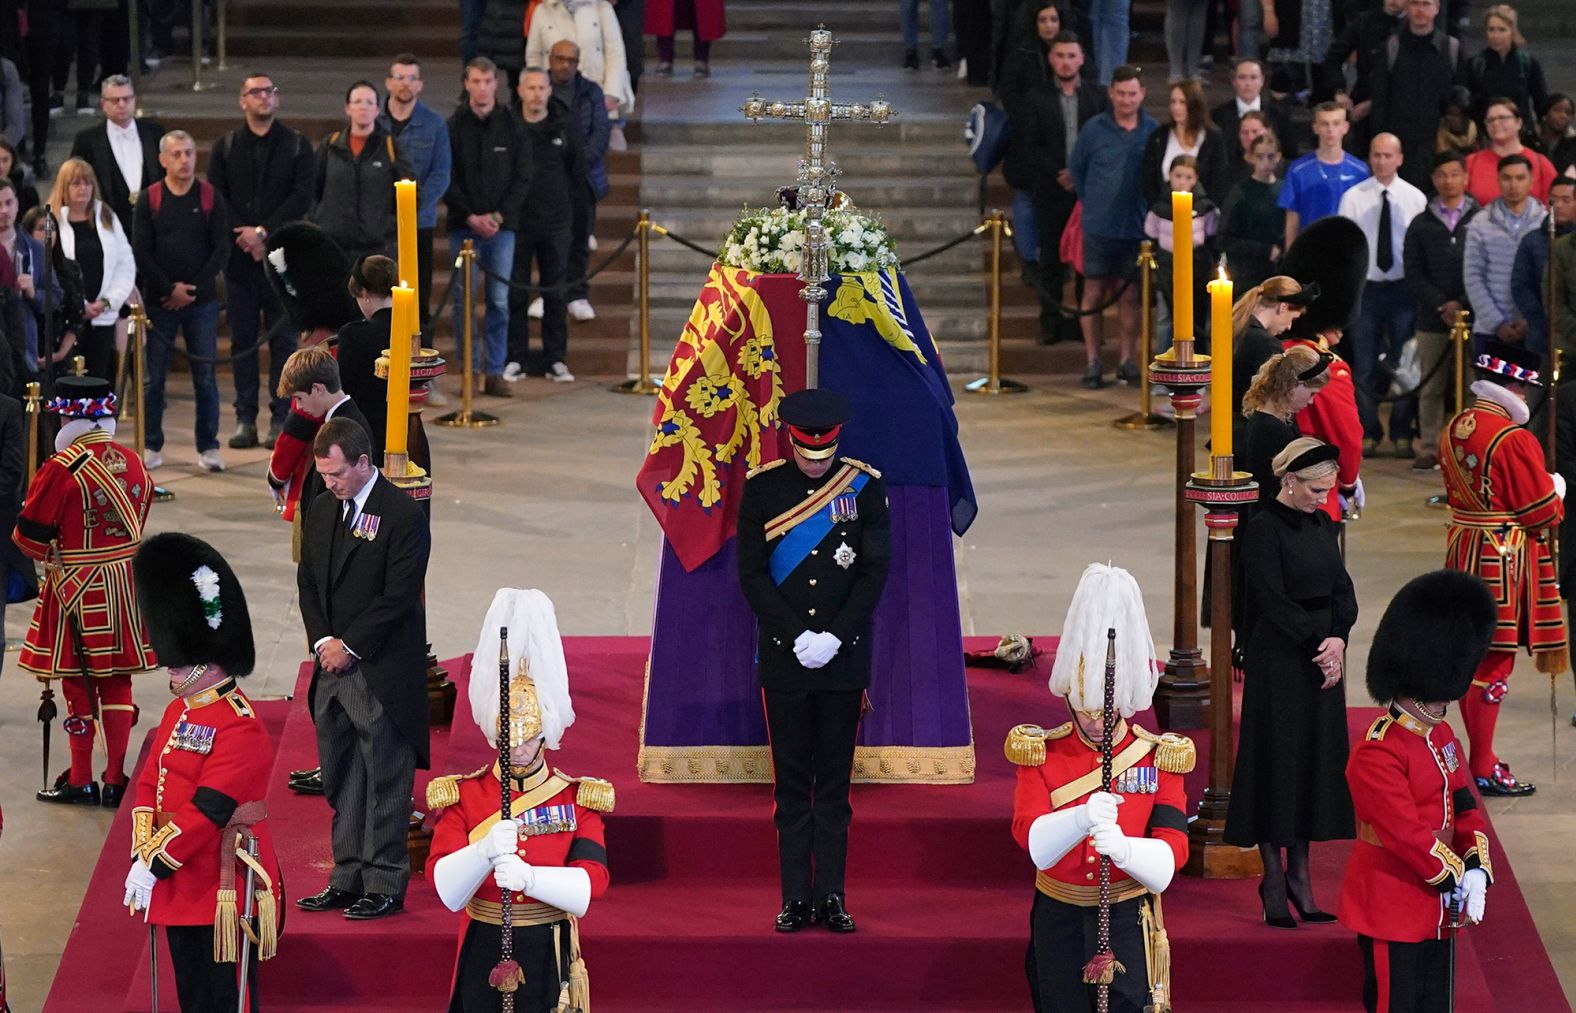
(308, 271)
(1333, 254)
(1432, 637)
(192, 604)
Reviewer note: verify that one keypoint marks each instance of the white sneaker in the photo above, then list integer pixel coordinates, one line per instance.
(152, 459)
(209, 460)
(581, 310)
(535, 310)
(591, 243)
(436, 397)
(559, 373)
(513, 372)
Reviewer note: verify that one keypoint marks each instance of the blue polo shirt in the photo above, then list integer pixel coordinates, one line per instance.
(1313, 189)
(1105, 168)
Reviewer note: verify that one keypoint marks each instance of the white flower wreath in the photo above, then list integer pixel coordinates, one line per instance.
(772, 240)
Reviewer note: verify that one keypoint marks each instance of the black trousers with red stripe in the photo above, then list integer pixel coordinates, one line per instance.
(1405, 977)
(202, 984)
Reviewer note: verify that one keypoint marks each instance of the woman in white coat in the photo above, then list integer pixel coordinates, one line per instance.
(91, 236)
(591, 25)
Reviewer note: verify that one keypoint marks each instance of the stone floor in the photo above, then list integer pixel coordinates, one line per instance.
(546, 500)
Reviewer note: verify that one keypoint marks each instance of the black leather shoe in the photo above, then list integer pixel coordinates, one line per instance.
(794, 916)
(305, 773)
(111, 795)
(831, 913)
(374, 905)
(331, 899)
(66, 793)
(312, 785)
(1502, 783)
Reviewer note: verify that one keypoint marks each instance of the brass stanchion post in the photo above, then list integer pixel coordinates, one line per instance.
(221, 42)
(198, 84)
(1145, 417)
(643, 382)
(996, 223)
(467, 417)
(1460, 335)
(139, 370)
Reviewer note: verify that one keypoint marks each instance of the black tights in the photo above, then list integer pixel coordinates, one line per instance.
(1284, 880)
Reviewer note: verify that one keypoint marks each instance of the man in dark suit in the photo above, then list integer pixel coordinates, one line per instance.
(363, 563)
(814, 545)
(1247, 81)
(123, 150)
(1043, 135)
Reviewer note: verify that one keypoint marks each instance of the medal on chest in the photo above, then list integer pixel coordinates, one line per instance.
(1136, 781)
(844, 556)
(845, 508)
(547, 819)
(1451, 759)
(365, 526)
(193, 738)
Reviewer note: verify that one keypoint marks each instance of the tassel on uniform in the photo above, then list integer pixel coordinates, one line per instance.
(267, 925)
(1553, 662)
(1157, 946)
(226, 926)
(507, 976)
(1103, 968)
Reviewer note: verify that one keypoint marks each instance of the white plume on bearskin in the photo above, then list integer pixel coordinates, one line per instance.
(1107, 597)
(533, 634)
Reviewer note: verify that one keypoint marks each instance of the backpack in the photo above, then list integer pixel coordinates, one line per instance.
(155, 197)
(387, 139)
(986, 131)
(1392, 46)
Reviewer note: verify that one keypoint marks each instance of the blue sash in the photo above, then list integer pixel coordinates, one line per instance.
(794, 546)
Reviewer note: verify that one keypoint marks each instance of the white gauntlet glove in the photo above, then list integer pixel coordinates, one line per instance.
(512, 874)
(502, 839)
(139, 887)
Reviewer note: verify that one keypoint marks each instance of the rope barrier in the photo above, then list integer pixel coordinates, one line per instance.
(563, 287)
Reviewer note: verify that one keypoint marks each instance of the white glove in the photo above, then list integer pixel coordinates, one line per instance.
(1471, 895)
(1101, 808)
(1109, 841)
(801, 640)
(139, 887)
(1559, 484)
(512, 874)
(1359, 498)
(502, 839)
(820, 650)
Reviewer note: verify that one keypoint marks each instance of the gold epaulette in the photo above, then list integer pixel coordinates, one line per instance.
(592, 792)
(1174, 754)
(768, 466)
(862, 466)
(443, 792)
(1025, 744)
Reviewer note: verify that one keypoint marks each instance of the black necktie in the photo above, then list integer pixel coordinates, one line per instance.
(350, 518)
(1385, 255)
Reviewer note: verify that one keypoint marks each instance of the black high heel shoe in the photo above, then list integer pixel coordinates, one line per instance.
(1313, 915)
(1275, 921)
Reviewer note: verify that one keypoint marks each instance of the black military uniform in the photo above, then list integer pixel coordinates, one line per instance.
(813, 556)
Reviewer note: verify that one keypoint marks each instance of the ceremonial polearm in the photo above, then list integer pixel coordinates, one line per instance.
(1103, 967)
(506, 977)
(817, 178)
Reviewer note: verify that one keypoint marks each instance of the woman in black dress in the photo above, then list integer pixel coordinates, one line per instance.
(1290, 783)
(1285, 385)
(360, 343)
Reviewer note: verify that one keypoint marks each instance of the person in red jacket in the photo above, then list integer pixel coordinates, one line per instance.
(199, 799)
(1504, 510)
(1332, 417)
(1066, 823)
(83, 519)
(1421, 864)
(550, 856)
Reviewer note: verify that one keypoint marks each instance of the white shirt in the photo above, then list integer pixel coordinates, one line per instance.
(1243, 108)
(1173, 149)
(126, 144)
(1362, 204)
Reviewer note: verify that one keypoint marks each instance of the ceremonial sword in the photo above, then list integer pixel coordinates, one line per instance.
(246, 925)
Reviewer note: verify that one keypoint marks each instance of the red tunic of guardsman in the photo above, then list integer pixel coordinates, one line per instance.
(1504, 508)
(1332, 417)
(1421, 864)
(549, 857)
(83, 519)
(1067, 823)
(199, 834)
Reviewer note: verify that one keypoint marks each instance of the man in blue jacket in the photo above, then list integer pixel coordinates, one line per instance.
(1105, 168)
(1530, 272)
(421, 137)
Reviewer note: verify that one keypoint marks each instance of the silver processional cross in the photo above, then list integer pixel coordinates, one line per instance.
(817, 178)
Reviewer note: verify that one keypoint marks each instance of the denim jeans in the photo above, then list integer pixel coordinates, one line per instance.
(199, 323)
(1384, 323)
(471, 12)
(1025, 227)
(495, 255)
(1109, 21)
(908, 14)
(1250, 22)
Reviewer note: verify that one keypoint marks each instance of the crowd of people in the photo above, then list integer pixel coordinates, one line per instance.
(1450, 162)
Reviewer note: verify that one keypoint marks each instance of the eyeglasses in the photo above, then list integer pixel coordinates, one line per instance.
(261, 92)
(1500, 118)
(405, 78)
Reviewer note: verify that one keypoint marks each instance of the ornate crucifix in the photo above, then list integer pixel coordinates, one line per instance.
(817, 178)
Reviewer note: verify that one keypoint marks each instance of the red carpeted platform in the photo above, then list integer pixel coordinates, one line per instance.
(941, 892)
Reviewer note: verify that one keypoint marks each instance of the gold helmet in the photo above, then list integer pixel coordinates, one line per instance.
(539, 704)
